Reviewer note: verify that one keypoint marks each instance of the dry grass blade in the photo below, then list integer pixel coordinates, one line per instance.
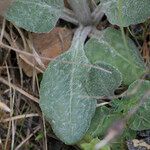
(35, 99)
(4, 107)
(3, 29)
(19, 117)
(30, 63)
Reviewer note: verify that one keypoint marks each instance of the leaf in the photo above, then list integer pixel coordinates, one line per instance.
(35, 15)
(102, 120)
(52, 44)
(108, 46)
(91, 145)
(126, 12)
(101, 83)
(62, 94)
(141, 119)
(40, 136)
(97, 121)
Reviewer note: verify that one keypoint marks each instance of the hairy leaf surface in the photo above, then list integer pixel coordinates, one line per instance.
(108, 46)
(35, 15)
(99, 123)
(63, 96)
(141, 119)
(101, 83)
(103, 120)
(91, 145)
(126, 12)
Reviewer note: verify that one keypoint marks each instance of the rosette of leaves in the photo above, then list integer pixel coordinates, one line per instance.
(88, 70)
(135, 103)
(67, 99)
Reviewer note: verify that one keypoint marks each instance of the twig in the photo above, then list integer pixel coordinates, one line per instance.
(44, 126)
(4, 107)
(3, 30)
(13, 128)
(11, 107)
(19, 117)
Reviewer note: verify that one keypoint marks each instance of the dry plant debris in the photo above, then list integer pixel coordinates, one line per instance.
(46, 46)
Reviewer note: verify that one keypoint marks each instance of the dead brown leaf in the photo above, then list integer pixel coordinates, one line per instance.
(4, 5)
(48, 45)
(141, 143)
(52, 44)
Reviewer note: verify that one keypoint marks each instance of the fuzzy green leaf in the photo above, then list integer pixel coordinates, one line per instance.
(141, 119)
(63, 98)
(102, 120)
(35, 15)
(96, 128)
(103, 83)
(91, 145)
(126, 12)
(108, 46)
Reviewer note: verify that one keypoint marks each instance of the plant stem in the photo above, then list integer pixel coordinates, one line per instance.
(82, 11)
(82, 33)
(69, 16)
(92, 5)
(98, 14)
